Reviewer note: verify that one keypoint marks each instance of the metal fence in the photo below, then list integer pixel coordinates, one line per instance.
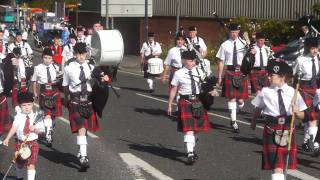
(253, 9)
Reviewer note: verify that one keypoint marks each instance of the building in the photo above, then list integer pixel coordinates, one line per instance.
(193, 12)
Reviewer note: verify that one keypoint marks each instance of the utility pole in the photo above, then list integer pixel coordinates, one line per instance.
(107, 15)
(146, 20)
(178, 16)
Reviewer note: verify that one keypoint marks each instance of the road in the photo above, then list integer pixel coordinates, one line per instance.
(138, 141)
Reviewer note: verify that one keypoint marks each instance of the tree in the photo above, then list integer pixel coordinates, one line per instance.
(316, 8)
(46, 4)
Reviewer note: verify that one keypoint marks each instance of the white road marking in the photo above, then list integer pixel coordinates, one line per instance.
(133, 162)
(294, 173)
(116, 88)
(90, 134)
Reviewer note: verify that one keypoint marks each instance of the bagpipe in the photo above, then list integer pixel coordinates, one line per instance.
(208, 81)
(107, 50)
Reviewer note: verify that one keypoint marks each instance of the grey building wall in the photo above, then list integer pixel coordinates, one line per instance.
(254, 9)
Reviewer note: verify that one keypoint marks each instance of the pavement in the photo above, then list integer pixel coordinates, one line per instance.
(138, 140)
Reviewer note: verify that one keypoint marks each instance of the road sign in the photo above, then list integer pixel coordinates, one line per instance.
(125, 8)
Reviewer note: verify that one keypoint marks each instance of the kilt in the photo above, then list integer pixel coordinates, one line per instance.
(5, 119)
(258, 80)
(15, 91)
(229, 91)
(307, 92)
(57, 110)
(77, 121)
(34, 154)
(274, 156)
(187, 122)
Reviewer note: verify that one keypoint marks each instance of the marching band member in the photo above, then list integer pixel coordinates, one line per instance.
(197, 41)
(57, 49)
(26, 53)
(235, 84)
(193, 118)
(3, 50)
(276, 102)
(78, 84)
(67, 52)
(45, 76)
(308, 65)
(5, 118)
(27, 131)
(14, 74)
(150, 49)
(259, 74)
(80, 35)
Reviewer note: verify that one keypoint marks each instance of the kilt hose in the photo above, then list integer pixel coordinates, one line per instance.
(15, 90)
(308, 92)
(258, 80)
(231, 92)
(77, 121)
(274, 156)
(5, 119)
(34, 146)
(186, 120)
(53, 112)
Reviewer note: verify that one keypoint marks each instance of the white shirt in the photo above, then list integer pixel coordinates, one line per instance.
(40, 73)
(174, 57)
(21, 70)
(201, 43)
(225, 52)
(182, 80)
(304, 65)
(82, 39)
(153, 47)
(267, 100)
(206, 65)
(67, 52)
(20, 120)
(71, 76)
(25, 48)
(265, 50)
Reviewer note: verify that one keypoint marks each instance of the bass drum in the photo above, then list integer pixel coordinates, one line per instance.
(107, 47)
(155, 66)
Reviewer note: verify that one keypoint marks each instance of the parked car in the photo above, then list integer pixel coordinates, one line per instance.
(290, 52)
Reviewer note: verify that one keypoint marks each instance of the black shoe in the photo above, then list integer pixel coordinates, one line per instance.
(316, 152)
(84, 163)
(48, 142)
(191, 158)
(151, 91)
(19, 178)
(305, 147)
(234, 127)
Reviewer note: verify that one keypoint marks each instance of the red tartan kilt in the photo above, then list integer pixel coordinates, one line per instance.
(274, 156)
(190, 123)
(5, 119)
(34, 154)
(229, 91)
(255, 77)
(307, 93)
(77, 121)
(57, 111)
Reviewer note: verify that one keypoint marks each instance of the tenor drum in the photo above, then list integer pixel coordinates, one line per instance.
(155, 66)
(107, 47)
(24, 152)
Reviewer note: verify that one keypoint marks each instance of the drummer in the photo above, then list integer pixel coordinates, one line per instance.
(150, 49)
(27, 130)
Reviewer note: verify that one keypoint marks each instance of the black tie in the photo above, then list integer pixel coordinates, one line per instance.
(261, 59)
(193, 84)
(48, 75)
(282, 108)
(314, 72)
(234, 57)
(83, 80)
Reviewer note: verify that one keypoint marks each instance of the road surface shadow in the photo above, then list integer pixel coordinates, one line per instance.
(135, 89)
(253, 140)
(156, 149)
(155, 112)
(8, 177)
(308, 163)
(57, 157)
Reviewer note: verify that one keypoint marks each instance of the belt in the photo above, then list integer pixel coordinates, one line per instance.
(270, 120)
(189, 97)
(78, 98)
(259, 68)
(48, 86)
(233, 68)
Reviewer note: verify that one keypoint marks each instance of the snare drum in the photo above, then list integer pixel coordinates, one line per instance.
(155, 66)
